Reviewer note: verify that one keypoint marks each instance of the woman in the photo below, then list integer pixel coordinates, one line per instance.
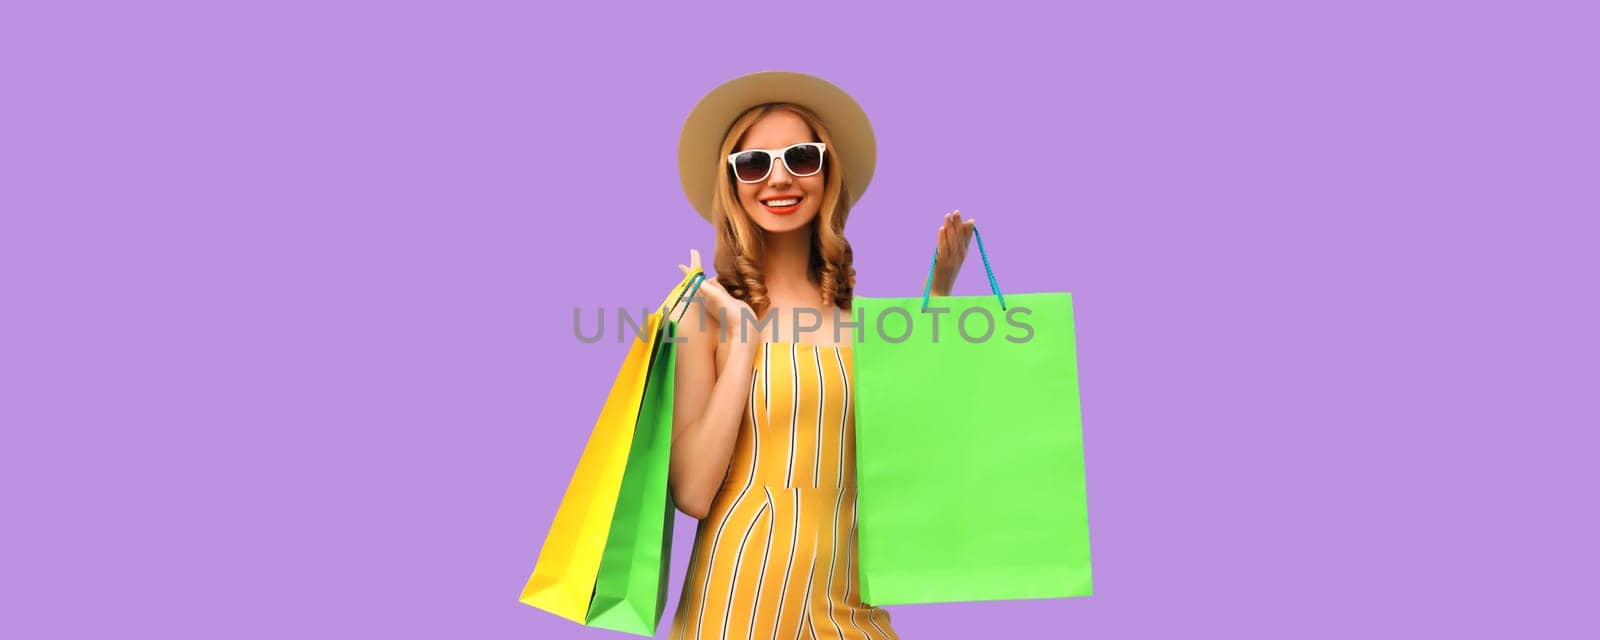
(763, 427)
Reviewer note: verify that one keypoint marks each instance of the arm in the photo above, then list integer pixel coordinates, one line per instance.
(708, 407)
(708, 400)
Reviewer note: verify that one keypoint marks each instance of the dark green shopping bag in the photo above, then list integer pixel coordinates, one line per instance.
(969, 449)
(630, 591)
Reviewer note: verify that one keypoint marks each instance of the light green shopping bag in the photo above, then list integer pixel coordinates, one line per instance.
(969, 449)
(630, 592)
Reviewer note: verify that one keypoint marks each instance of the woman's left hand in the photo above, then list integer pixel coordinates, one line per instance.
(954, 235)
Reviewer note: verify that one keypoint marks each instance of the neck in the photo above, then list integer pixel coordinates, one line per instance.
(786, 259)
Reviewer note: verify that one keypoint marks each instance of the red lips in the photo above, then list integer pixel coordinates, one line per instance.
(782, 211)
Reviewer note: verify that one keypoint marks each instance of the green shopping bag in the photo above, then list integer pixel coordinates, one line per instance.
(969, 454)
(630, 592)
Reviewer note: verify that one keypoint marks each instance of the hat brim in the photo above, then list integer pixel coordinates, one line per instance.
(708, 123)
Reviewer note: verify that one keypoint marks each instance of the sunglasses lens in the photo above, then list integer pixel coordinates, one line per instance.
(751, 165)
(803, 160)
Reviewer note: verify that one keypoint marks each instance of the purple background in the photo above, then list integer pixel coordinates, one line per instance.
(288, 291)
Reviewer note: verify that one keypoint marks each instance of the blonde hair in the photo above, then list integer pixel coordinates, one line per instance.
(740, 240)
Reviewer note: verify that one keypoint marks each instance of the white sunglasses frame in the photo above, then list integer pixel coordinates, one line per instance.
(774, 156)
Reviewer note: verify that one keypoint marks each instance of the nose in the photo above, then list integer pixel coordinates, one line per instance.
(779, 177)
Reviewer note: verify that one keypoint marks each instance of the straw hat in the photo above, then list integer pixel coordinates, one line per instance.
(707, 125)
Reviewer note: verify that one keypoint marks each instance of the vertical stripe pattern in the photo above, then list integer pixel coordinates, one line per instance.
(776, 556)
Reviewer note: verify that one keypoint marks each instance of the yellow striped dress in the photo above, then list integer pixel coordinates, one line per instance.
(775, 558)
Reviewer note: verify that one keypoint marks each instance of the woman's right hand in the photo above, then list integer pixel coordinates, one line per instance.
(717, 300)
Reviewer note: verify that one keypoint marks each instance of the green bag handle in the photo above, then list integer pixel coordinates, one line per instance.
(685, 289)
(993, 286)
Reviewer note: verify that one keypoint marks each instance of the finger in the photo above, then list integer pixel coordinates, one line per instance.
(694, 259)
(684, 268)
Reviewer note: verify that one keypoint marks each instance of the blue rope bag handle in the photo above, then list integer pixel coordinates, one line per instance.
(993, 285)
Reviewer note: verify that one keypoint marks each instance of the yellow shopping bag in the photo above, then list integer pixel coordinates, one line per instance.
(563, 578)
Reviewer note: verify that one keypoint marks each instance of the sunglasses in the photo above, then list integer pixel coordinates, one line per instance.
(800, 160)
